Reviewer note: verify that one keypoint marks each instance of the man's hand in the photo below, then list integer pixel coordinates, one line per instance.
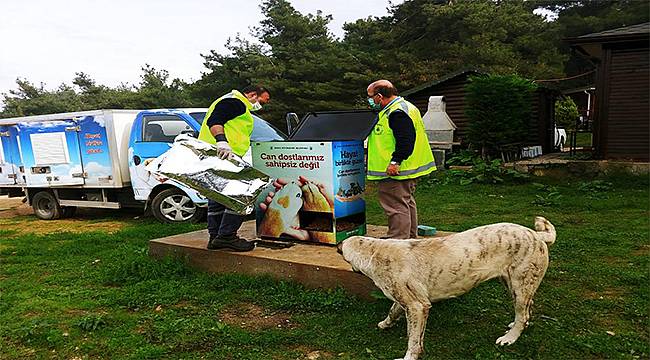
(224, 150)
(392, 170)
(321, 188)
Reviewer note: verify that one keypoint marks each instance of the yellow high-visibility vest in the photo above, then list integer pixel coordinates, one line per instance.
(238, 130)
(381, 145)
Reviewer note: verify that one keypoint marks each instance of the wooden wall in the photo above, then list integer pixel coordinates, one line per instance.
(623, 89)
(454, 92)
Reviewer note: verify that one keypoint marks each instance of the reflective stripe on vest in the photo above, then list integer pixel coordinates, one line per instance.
(381, 145)
(238, 130)
(423, 168)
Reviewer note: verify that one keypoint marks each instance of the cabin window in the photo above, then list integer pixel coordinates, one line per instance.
(164, 128)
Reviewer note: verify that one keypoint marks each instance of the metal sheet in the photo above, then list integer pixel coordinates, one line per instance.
(194, 163)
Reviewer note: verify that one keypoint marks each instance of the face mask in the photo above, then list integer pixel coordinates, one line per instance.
(372, 104)
(256, 106)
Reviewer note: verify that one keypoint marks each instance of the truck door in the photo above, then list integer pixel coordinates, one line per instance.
(151, 135)
(7, 169)
(51, 154)
(95, 154)
(15, 154)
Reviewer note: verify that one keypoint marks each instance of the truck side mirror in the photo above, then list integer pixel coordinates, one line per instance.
(292, 122)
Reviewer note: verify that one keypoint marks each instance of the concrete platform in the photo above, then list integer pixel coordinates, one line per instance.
(315, 266)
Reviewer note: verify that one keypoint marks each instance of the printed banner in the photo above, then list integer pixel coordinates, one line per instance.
(318, 191)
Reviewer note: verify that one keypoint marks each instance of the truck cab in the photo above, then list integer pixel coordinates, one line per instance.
(152, 134)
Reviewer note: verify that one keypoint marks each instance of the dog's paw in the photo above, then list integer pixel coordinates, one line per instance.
(409, 357)
(384, 324)
(508, 339)
(511, 325)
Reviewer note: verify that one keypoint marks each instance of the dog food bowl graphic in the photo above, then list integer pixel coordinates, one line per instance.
(349, 191)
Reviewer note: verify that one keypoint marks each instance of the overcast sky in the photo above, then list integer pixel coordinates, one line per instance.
(48, 41)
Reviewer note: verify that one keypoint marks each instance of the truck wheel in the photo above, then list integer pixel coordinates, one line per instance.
(68, 211)
(45, 205)
(174, 206)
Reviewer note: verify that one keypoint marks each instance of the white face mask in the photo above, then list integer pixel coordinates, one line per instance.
(256, 106)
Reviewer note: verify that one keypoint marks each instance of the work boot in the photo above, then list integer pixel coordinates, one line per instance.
(233, 242)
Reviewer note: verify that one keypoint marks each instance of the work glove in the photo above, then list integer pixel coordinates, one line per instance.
(224, 151)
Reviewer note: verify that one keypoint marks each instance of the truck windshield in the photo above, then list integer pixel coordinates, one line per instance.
(262, 130)
(198, 116)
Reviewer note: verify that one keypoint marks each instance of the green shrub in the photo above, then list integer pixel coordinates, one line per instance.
(498, 108)
(566, 113)
(481, 172)
(462, 157)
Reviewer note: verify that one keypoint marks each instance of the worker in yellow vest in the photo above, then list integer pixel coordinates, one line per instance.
(398, 154)
(228, 124)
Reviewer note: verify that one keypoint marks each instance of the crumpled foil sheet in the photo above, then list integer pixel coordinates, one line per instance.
(195, 164)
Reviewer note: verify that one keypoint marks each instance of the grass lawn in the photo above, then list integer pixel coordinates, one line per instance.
(75, 289)
(583, 139)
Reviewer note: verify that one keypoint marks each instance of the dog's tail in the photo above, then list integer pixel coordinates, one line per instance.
(545, 230)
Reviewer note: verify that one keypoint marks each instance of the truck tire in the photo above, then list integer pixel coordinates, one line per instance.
(174, 206)
(45, 206)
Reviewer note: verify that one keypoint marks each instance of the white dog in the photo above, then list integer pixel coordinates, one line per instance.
(415, 273)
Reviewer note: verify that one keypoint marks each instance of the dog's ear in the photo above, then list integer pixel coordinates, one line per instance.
(339, 247)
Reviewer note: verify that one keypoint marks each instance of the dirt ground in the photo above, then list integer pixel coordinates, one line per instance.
(254, 317)
(10, 207)
(18, 217)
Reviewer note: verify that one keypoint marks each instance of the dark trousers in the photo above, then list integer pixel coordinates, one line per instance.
(221, 221)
